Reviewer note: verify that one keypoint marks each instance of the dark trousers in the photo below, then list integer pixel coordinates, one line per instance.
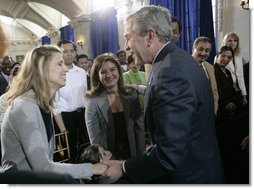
(235, 160)
(75, 123)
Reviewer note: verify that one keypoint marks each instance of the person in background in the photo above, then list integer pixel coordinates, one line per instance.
(121, 55)
(178, 109)
(90, 61)
(70, 110)
(176, 33)
(27, 136)
(230, 101)
(232, 123)
(4, 97)
(113, 110)
(176, 29)
(201, 49)
(96, 153)
(135, 77)
(5, 70)
(82, 61)
(236, 64)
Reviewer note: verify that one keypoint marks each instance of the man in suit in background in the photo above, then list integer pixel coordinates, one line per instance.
(178, 109)
(201, 49)
(5, 70)
(176, 29)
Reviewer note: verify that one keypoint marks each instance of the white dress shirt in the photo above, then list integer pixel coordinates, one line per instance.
(237, 73)
(72, 96)
(202, 65)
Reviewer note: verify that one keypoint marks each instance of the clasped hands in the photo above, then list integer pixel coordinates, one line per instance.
(111, 169)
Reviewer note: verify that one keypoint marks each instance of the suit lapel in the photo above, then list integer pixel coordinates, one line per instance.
(104, 108)
(154, 71)
(153, 79)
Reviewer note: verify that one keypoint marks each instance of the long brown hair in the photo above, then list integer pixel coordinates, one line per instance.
(96, 86)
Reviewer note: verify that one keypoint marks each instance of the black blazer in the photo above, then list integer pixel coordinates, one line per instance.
(227, 92)
(3, 84)
(180, 116)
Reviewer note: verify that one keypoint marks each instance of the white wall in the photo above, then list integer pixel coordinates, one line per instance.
(235, 19)
(22, 43)
(82, 27)
(121, 16)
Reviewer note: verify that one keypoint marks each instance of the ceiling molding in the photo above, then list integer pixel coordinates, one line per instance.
(66, 7)
(48, 15)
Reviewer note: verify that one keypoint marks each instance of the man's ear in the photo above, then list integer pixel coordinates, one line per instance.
(150, 36)
(192, 50)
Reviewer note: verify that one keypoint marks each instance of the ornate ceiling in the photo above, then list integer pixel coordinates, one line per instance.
(40, 16)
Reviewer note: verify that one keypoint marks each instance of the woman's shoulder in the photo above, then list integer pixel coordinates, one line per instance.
(26, 98)
(25, 103)
(98, 100)
(97, 96)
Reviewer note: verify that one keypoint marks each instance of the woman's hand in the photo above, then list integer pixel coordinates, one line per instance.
(132, 86)
(245, 100)
(139, 88)
(98, 168)
(230, 107)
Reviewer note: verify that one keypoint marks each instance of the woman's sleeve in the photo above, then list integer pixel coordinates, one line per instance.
(92, 122)
(25, 121)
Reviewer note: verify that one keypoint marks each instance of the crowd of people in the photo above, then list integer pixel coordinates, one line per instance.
(194, 113)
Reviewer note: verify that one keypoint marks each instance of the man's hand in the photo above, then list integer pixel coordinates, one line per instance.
(230, 107)
(98, 168)
(114, 170)
(245, 100)
(245, 143)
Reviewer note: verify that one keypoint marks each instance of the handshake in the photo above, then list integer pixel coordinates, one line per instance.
(108, 170)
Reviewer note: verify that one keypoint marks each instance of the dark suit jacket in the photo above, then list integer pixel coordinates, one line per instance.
(180, 116)
(3, 84)
(227, 93)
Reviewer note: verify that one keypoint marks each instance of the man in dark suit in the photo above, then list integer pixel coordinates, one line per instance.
(178, 109)
(5, 70)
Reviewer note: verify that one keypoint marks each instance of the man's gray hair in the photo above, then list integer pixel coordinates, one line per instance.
(152, 18)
